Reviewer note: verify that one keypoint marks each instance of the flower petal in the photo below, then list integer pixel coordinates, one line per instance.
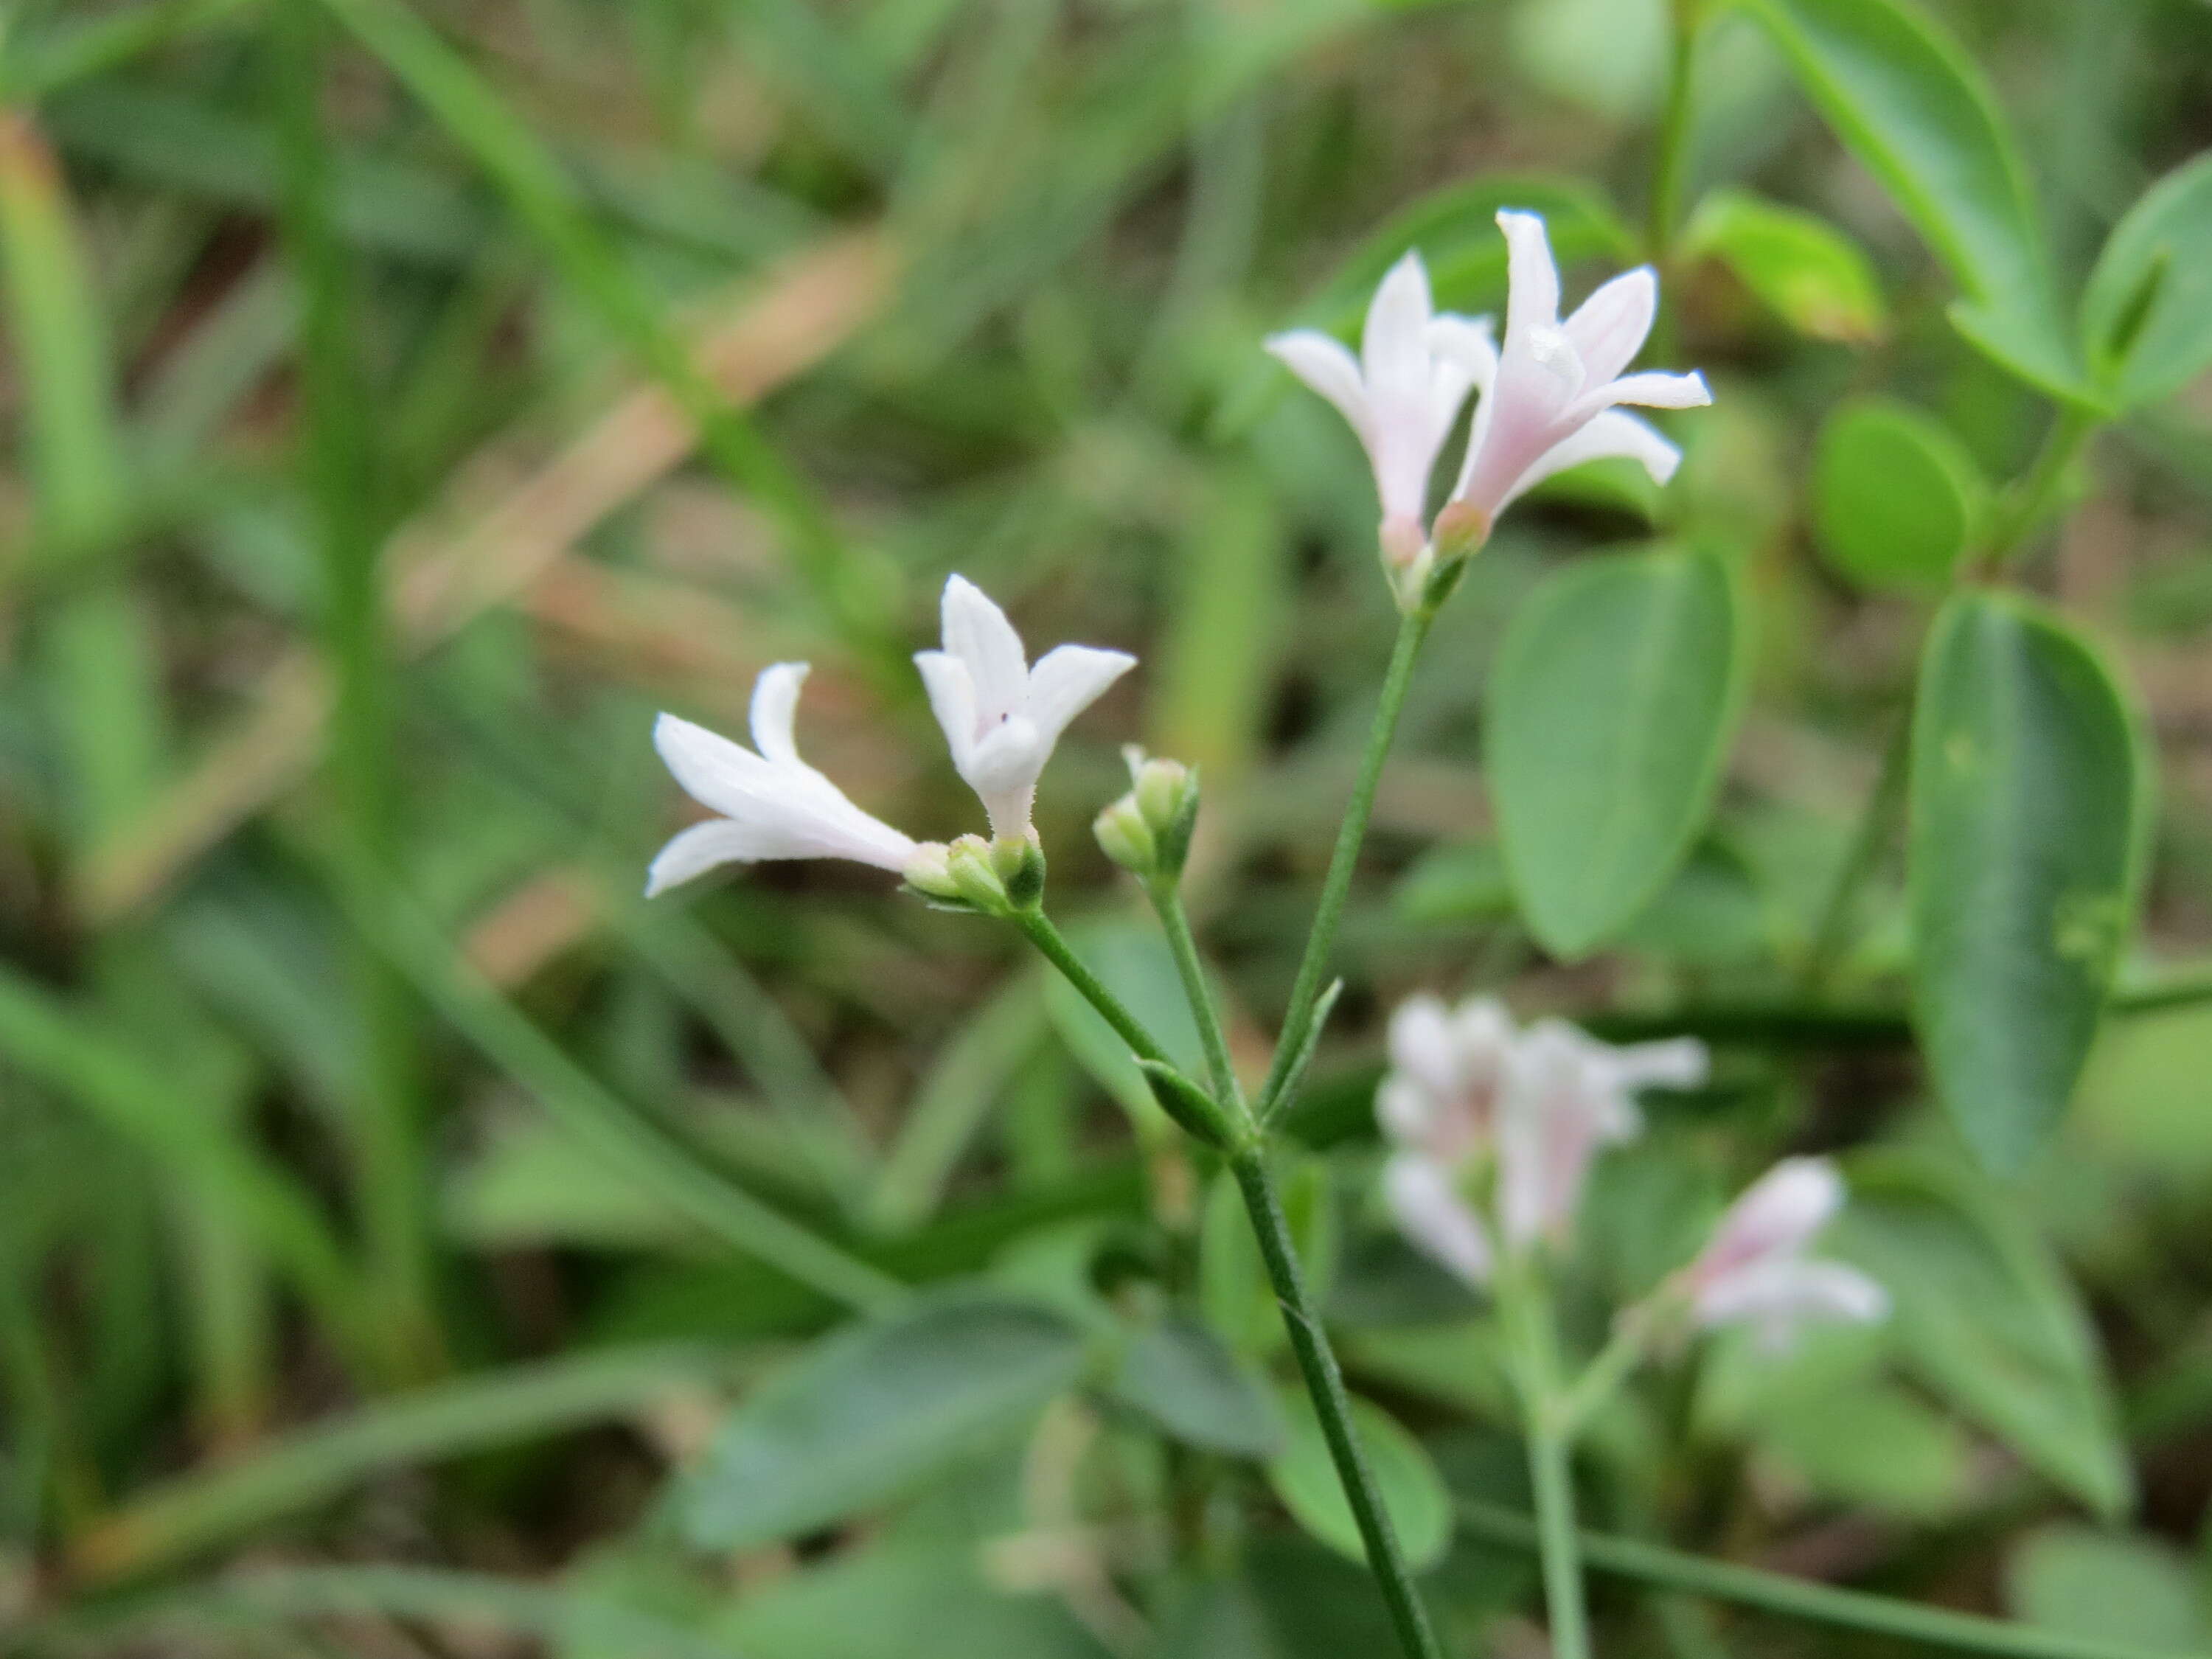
(694, 851)
(1066, 680)
(1678, 1063)
(1394, 346)
(952, 700)
(716, 773)
(1325, 364)
(1609, 328)
(1421, 1046)
(1777, 1215)
(1429, 1210)
(1780, 1294)
(775, 705)
(1532, 293)
(977, 632)
(1652, 390)
(1464, 358)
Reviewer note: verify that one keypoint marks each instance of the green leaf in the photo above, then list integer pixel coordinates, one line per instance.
(1807, 271)
(2029, 796)
(1896, 498)
(1304, 1477)
(1916, 111)
(1179, 1374)
(2147, 314)
(2114, 1587)
(920, 1599)
(1614, 696)
(1458, 882)
(1985, 1316)
(876, 1412)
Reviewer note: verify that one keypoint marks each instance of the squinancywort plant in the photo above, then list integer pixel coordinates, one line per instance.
(1494, 1131)
(1496, 1128)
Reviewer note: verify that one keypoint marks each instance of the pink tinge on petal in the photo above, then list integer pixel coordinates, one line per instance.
(1777, 1216)
(1435, 1219)
(1609, 328)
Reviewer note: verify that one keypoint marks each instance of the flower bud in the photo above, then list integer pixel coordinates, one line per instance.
(975, 876)
(1164, 795)
(1125, 837)
(929, 873)
(1019, 862)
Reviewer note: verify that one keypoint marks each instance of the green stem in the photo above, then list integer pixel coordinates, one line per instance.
(2026, 505)
(1337, 886)
(1221, 1072)
(1876, 824)
(1324, 1382)
(1604, 1374)
(1774, 1592)
(395, 1199)
(1526, 1309)
(1038, 929)
(1671, 174)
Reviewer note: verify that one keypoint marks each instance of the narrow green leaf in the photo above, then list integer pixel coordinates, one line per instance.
(1610, 707)
(2109, 1586)
(2147, 314)
(874, 1412)
(311, 1466)
(1807, 271)
(2029, 792)
(1906, 100)
(1304, 1477)
(1896, 498)
(1182, 1377)
(1985, 1316)
(60, 342)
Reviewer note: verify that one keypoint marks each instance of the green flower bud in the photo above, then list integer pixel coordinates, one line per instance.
(1019, 862)
(1125, 838)
(1165, 795)
(929, 873)
(976, 879)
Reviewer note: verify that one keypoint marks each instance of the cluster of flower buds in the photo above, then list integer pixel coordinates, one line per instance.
(1549, 396)
(1494, 1129)
(1001, 717)
(1147, 831)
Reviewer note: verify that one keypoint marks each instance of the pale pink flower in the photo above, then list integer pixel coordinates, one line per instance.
(1755, 1270)
(1568, 1097)
(1401, 394)
(1001, 716)
(1550, 396)
(772, 804)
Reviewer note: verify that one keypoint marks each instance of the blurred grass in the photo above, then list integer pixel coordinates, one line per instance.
(403, 402)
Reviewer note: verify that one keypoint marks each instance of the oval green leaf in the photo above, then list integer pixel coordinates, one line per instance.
(1304, 1477)
(1909, 103)
(2147, 315)
(1799, 265)
(1895, 497)
(2027, 793)
(1182, 1377)
(875, 1412)
(1985, 1318)
(1610, 707)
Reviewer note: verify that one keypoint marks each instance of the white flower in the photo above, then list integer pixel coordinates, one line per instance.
(1550, 397)
(772, 804)
(1567, 1097)
(1466, 1090)
(1001, 716)
(1754, 1271)
(1401, 394)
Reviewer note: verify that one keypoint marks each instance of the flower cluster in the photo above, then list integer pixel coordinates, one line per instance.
(1494, 1129)
(1549, 396)
(1001, 716)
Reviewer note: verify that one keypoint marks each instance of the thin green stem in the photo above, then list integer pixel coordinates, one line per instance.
(1337, 886)
(1526, 1309)
(395, 1198)
(1174, 922)
(1602, 1378)
(1670, 174)
(2027, 503)
(1877, 822)
(1324, 1382)
(1774, 1592)
(1038, 929)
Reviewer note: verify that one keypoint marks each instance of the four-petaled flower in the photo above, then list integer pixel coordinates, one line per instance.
(1754, 1271)
(1401, 394)
(772, 804)
(1495, 1129)
(1001, 716)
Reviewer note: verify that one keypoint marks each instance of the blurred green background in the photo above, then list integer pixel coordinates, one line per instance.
(401, 406)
